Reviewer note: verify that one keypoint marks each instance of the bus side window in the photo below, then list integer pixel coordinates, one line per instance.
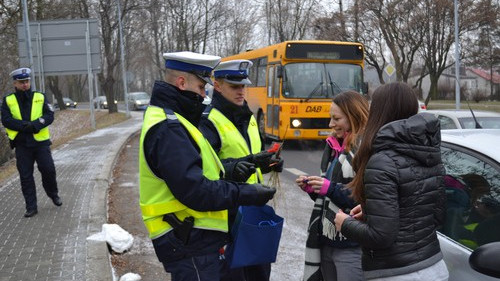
(261, 72)
(252, 75)
(276, 88)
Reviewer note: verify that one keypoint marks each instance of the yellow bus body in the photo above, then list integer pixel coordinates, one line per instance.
(268, 100)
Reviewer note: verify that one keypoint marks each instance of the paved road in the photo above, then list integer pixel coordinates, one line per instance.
(52, 245)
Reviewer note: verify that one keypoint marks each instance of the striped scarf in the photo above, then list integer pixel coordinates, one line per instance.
(321, 222)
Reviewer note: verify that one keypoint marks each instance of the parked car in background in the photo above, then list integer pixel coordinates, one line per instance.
(471, 159)
(68, 102)
(138, 100)
(101, 102)
(463, 119)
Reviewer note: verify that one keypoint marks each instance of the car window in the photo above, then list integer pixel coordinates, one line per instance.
(473, 197)
(446, 122)
(485, 122)
(140, 96)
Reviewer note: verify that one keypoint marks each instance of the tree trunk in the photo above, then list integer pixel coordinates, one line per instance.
(433, 90)
(53, 84)
(107, 87)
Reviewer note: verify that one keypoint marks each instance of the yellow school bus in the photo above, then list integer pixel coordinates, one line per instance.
(293, 83)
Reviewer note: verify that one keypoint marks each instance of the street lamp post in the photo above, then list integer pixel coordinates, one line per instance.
(29, 53)
(122, 58)
(457, 60)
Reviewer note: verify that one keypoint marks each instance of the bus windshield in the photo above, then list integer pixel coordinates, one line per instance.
(320, 80)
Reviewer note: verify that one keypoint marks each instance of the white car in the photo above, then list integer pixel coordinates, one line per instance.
(463, 119)
(101, 102)
(472, 226)
(138, 100)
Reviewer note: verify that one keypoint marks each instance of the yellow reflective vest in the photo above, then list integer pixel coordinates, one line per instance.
(36, 112)
(233, 144)
(156, 199)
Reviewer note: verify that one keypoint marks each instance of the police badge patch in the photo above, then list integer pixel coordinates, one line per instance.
(51, 108)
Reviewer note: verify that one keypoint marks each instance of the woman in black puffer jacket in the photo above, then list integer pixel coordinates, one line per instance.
(399, 184)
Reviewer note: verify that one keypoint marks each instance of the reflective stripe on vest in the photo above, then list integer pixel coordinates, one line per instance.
(36, 112)
(156, 199)
(233, 144)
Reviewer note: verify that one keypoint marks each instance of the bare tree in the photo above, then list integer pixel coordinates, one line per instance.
(234, 31)
(398, 22)
(111, 46)
(439, 35)
(289, 19)
(352, 24)
(482, 48)
(10, 15)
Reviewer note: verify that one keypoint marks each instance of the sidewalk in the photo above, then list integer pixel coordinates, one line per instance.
(52, 245)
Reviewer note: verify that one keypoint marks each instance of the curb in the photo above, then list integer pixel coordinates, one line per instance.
(98, 259)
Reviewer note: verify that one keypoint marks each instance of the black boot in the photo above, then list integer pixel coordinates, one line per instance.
(31, 213)
(57, 201)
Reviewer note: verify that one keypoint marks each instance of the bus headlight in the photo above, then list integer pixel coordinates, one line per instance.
(296, 123)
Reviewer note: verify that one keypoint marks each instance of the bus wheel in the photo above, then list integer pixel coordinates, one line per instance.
(262, 124)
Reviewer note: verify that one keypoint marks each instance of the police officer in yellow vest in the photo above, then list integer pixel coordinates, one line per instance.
(26, 115)
(183, 200)
(230, 127)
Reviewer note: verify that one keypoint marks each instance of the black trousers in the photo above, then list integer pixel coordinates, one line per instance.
(260, 272)
(25, 158)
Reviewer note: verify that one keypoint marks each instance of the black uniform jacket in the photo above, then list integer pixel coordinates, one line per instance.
(173, 156)
(405, 197)
(25, 100)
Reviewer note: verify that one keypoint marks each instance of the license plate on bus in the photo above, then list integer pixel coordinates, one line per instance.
(324, 133)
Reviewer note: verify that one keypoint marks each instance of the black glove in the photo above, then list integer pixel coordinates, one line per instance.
(262, 159)
(28, 127)
(242, 171)
(277, 164)
(255, 194)
(35, 128)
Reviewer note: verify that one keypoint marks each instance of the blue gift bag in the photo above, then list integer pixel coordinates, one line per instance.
(256, 236)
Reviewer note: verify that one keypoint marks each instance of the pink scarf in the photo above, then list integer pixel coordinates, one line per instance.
(334, 144)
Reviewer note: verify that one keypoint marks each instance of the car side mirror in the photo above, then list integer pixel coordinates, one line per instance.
(486, 259)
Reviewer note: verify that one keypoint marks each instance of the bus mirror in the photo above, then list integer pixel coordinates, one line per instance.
(365, 88)
(279, 71)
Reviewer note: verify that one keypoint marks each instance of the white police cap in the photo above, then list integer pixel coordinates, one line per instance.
(198, 64)
(234, 71)
(22, 73)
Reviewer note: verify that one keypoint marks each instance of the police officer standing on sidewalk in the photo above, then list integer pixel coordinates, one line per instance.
(230, 127)
(26, 115)
(183, 201)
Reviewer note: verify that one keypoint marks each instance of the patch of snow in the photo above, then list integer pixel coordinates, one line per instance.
(128, 184)
(119, 239)
(130, 277)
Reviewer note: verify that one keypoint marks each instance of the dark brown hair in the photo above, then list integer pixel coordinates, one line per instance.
(390, 102)
(355, 107)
